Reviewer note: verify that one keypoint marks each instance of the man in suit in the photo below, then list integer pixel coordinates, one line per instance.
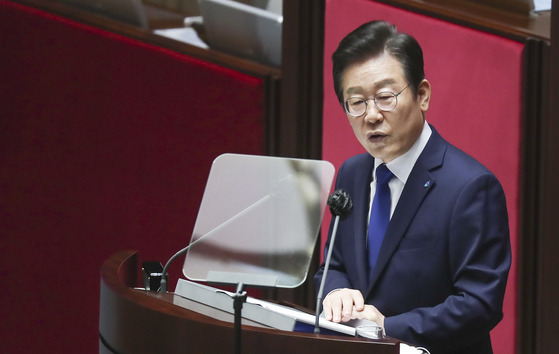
(436, 277)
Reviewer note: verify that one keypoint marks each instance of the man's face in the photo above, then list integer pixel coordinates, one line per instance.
(385, 135)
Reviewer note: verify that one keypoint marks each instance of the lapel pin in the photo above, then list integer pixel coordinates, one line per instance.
(427, 184)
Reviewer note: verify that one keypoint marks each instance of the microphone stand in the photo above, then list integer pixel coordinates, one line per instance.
(324, 273)
(340, 206)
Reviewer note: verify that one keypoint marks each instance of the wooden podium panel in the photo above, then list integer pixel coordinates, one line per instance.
(138, 321)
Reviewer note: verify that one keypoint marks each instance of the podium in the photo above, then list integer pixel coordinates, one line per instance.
(139, 321)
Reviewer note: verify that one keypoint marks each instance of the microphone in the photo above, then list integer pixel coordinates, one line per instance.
(340, 206)
(278, 191)
(163, 285)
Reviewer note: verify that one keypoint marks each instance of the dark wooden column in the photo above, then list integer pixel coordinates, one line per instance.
(548, 265)
(299, 129)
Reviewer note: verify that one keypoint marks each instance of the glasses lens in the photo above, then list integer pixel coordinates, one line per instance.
(385, 101)
(355, 106)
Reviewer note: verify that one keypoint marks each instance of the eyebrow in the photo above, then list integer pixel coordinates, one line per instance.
(376, 85)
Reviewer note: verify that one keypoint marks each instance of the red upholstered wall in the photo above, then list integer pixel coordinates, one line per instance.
(476, 105)
(105, 145)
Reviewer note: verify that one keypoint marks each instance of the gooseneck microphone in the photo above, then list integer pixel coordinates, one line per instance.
(163, 286)
(340, 206)
(281, 189)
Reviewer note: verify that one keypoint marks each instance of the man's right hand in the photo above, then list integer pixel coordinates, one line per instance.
(340, 304)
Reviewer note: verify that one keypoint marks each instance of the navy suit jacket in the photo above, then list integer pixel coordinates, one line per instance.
(442, 269)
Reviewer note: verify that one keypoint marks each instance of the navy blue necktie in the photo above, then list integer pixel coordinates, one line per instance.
(380, 213)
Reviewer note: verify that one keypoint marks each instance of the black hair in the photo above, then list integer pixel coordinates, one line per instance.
(371, 40)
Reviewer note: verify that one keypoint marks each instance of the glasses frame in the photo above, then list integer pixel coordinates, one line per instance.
(374, 99)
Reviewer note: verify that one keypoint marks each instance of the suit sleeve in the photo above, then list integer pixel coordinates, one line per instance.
(480, 257)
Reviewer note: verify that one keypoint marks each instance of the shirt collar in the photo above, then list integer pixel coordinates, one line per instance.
(402, 165)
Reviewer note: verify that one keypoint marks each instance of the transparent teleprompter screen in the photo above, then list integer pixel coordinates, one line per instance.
(259, 220)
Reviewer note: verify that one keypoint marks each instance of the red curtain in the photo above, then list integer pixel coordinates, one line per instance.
(105, 144)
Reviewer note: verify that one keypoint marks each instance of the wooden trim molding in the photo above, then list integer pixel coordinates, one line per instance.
(479, 15)
(522, 7)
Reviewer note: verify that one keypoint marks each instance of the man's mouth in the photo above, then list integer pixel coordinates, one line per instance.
(375, 138)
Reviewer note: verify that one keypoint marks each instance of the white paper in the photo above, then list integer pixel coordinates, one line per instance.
(304, 317)
(183, 34)
(542, 5)
(348, 328)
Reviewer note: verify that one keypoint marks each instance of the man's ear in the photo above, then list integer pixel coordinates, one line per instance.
(424, 95)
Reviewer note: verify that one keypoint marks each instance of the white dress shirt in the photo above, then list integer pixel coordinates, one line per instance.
(401, 168)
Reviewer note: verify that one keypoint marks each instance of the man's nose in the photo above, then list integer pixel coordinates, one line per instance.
(373, 114)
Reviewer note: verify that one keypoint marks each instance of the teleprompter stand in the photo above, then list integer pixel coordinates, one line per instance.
(239, 299)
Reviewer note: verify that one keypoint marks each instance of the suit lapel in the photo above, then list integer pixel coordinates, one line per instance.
(418, 185)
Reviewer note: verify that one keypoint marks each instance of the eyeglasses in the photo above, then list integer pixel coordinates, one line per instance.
(385, 101)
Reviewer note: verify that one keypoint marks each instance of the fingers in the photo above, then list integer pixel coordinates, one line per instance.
(359, 302)
(370, 313)
(340, 305)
